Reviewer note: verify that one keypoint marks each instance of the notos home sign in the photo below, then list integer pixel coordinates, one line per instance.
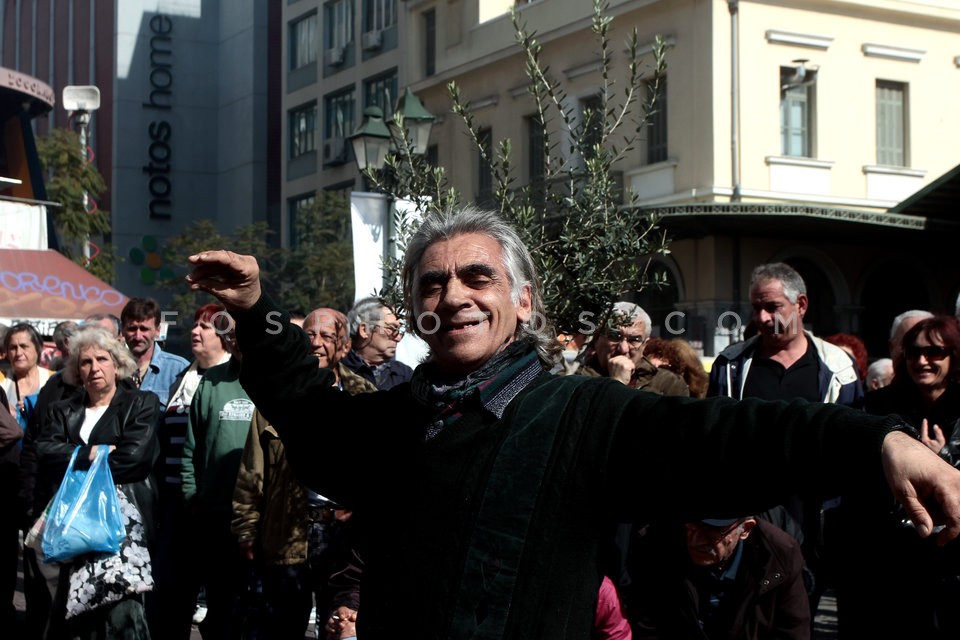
(160, 131)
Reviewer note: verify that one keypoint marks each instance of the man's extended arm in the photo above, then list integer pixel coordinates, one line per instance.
(917, 476)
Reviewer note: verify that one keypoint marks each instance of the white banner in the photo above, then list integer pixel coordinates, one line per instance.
(370, 219)
(370, 215)
(22, 226)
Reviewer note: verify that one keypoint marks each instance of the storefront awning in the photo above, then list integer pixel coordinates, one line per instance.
(43, 287)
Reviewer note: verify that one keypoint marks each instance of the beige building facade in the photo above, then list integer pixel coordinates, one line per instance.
(788, 131)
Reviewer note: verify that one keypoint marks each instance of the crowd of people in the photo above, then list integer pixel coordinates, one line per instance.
(495, 491)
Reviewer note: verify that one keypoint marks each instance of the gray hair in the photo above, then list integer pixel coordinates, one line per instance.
(919, 314)
(793, 284)
(63, 332)
(367, 311)
(628, 311)
(881, 371)
(97, 317)
(96, 336)
(517, 263)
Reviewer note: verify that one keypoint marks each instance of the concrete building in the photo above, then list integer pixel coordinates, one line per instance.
(340, 56)
(188, 126)
(787, 132)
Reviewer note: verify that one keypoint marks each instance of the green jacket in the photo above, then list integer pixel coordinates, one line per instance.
(492, 527)
(217, 429)
(269, 503)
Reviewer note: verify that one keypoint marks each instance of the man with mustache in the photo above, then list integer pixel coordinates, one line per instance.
(156, 369)
(486, 484)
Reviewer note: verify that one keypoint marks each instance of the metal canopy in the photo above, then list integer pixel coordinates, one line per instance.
(939, 199)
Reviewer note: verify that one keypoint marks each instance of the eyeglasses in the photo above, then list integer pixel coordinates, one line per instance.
(933, 352)
(615, 335)
(392, 331)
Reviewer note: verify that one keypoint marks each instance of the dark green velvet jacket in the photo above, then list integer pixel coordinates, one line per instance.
(491, 528)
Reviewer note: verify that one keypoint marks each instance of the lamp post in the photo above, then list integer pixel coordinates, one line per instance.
(80, 102)
(371, 140)
(370, 213)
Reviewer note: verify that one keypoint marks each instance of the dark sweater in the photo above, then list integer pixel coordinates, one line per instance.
(492, 527)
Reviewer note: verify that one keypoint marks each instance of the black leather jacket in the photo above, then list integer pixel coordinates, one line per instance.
(129, 423)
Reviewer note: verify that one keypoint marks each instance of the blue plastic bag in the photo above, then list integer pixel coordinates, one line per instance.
(85, 514)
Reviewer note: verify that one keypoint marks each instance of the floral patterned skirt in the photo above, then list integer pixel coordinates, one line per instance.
(104, 589)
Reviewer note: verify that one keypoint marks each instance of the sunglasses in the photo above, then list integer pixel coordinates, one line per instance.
(933, 353)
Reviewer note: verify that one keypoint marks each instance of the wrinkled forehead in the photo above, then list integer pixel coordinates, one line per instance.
(148, 322)
(463, 251)
(767, 288)
(93, 351)
(19, 338)
(321, 321)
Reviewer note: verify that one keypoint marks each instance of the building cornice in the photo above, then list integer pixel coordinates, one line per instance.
(775, 36)
(767, 209)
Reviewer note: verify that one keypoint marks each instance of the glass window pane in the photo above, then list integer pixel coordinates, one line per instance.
(657, 126)
(891, 123)
(796, 121)
(303, 124)
(339, 115)
(303, 42)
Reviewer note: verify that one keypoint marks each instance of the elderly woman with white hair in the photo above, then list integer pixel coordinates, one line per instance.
(109, 413)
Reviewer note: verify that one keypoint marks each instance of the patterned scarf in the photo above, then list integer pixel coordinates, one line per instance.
(495, 384)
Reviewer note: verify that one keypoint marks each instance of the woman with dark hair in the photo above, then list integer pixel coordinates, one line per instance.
(897, 584)
(109, 413)
(926, 385)
(26, 376)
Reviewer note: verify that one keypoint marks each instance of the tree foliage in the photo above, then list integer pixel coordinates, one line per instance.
(589, 241)
(316, 272)
(69, 175)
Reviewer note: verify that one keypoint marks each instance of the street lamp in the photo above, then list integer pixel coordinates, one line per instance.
(416, 119)
(80, 101)
(371, 140)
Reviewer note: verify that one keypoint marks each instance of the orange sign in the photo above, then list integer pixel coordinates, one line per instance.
(37, 285)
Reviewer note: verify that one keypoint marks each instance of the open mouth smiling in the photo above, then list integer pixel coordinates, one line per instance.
(460, 327)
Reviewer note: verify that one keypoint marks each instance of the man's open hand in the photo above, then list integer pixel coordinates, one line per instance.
(232, 278)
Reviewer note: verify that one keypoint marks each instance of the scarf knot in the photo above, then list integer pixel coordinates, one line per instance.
(493, 385)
